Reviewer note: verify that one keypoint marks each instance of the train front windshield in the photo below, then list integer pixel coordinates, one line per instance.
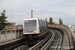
(29, 26)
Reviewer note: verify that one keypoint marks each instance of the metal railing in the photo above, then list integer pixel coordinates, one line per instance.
(48, 43)
(41, 43)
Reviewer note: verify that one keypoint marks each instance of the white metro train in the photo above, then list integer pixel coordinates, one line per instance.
(34, 30)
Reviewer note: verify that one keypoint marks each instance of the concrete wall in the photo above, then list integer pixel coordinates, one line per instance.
(69, 31)
(8, 36)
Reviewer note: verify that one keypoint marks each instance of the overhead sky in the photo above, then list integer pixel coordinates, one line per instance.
(18, 10)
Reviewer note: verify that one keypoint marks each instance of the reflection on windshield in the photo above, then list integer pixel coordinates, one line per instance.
(30, 25)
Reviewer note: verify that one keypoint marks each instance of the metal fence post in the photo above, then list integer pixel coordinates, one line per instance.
(15, 34)
(11, 34)
(18, 33)
(21, 33)
(6, 35)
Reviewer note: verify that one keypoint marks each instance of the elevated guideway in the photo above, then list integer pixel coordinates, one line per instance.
(53, 41)
(68, 39)
(62, 37)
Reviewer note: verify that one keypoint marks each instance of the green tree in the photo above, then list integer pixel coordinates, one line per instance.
(50, 20)
(60, 22)
(3, 21)
(46, 19)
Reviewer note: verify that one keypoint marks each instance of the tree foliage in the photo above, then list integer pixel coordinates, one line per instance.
(46, 19)
(60, 22)
(50, 20)
(3, 21)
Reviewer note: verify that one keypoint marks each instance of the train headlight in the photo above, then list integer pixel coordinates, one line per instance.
(35, 31)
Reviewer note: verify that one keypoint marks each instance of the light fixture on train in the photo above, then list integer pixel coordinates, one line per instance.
(35, 31)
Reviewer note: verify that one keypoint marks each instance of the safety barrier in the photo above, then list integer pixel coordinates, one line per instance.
(8, 36)
(67, 29)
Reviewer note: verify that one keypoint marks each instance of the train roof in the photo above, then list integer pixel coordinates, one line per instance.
(34, 19)
(31, 19)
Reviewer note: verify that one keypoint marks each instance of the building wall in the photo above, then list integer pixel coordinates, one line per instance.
(10, 26)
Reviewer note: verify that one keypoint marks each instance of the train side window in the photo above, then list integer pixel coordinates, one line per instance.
(45, 23)
(42, 23)
(39, 23)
